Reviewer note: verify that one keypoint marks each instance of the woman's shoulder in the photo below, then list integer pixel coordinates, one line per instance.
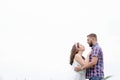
(77, 57)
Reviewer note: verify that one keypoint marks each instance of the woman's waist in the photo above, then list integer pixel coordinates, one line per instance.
(79, 72)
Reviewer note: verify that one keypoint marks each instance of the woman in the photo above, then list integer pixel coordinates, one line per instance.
(76, 59)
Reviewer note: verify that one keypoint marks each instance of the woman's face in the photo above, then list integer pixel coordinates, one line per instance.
(81, 47)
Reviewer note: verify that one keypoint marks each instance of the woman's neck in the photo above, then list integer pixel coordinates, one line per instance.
(80, 53)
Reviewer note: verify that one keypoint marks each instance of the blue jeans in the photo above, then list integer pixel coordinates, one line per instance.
(96, 78)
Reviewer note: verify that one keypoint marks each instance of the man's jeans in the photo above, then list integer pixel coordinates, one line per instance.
(96, 78)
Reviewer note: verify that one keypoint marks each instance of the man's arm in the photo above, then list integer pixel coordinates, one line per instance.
(87, 65)
(94, 60)
(90, 64)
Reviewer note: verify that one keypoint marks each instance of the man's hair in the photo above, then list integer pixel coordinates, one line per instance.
(92, 35)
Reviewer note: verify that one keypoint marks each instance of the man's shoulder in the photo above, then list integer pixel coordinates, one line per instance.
(97, 47)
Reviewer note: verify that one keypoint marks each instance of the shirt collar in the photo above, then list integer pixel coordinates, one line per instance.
(94, 45)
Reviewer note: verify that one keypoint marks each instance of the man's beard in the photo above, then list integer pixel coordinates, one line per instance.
(91, 44)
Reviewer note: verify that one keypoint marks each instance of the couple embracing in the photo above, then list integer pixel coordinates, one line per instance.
(91, 67)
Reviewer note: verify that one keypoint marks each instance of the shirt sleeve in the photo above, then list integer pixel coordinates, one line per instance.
(95, 52)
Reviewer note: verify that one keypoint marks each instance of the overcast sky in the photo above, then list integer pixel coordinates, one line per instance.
(36, 36)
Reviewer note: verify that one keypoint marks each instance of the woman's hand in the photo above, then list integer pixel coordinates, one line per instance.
(77, 68)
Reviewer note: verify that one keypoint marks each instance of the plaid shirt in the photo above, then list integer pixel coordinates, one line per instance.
(96, 70)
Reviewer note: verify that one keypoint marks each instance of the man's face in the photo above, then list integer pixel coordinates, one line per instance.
(89, 41)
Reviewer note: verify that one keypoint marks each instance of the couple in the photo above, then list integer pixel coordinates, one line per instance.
(90, 68)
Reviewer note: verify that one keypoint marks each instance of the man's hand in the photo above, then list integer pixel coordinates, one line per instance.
(77, 68)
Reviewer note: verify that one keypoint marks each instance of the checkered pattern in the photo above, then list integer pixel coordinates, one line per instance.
(96, 70)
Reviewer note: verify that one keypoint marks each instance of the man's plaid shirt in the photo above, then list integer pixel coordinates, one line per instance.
(96, 70)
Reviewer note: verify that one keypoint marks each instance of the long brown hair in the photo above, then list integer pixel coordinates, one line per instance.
(74, 51)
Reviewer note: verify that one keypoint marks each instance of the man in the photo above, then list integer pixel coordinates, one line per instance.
(94, 67)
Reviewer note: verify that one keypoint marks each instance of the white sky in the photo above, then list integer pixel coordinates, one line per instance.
(36, 36)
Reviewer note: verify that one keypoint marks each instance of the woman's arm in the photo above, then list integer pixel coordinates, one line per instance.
(87, 59)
